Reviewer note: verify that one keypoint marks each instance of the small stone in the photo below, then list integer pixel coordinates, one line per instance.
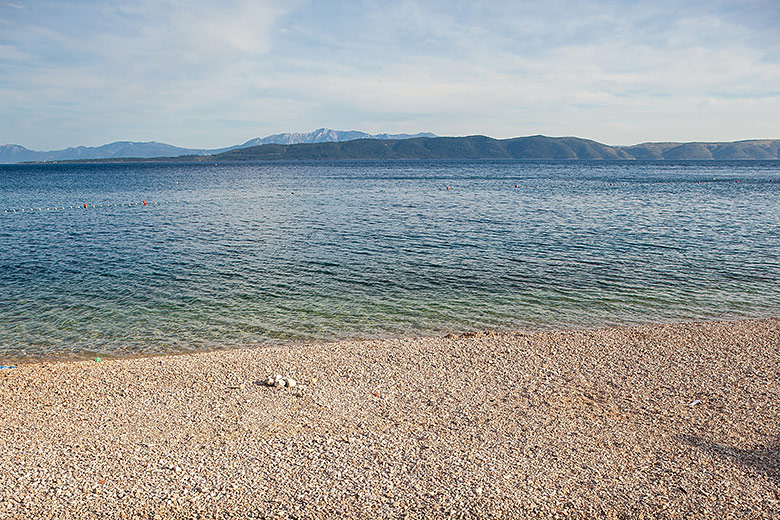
(279, 383)
(291, 382)
(270, 381)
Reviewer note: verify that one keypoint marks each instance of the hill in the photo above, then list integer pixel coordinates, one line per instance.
(738, 150)
(14, 153)
(481, 147)
(537, 147)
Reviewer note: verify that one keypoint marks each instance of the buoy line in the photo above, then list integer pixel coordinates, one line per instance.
(142, 203)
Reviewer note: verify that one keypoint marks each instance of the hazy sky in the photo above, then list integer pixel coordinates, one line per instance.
(208, 74)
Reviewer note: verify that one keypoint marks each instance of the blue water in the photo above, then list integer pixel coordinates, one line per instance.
(246, 254)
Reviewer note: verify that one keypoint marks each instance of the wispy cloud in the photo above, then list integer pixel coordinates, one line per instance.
(209, 74)
(9, 52)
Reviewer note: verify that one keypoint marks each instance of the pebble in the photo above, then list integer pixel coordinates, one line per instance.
(280, 381)
(579, 424)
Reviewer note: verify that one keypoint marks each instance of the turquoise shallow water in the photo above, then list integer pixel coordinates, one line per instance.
(245, 254)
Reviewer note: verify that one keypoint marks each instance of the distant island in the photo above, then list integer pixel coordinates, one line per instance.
(536, 147)
(327, 144)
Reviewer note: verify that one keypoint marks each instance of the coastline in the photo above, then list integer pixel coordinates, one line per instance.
(667, 420)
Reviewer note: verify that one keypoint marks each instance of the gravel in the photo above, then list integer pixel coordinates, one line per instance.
(661, 421)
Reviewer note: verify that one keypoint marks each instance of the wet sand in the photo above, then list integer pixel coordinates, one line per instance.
(661, 421)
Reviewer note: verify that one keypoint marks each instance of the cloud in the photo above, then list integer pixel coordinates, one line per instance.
(172, 70)
(130, 61)
(9, 52)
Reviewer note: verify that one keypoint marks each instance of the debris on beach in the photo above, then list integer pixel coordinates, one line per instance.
(279, 381)
(694, 403)
(7, 367)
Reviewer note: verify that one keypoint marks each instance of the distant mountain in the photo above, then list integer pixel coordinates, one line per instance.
(746, 150)
(473, 147)
(481, 147)
(335, 145)
(326, 135)
(12, 153)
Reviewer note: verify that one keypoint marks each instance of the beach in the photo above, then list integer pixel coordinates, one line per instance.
(657, 421)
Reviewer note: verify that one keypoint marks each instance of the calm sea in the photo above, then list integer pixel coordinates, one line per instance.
(245, 254)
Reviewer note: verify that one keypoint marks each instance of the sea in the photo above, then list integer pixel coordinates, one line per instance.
(118, 260)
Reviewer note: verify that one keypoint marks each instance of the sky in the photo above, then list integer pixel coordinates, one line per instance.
(205, 74)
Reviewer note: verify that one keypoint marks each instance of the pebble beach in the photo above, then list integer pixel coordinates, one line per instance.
(657, 421)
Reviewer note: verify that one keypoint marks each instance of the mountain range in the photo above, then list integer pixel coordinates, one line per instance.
(337, 145)
(326, 135)
(14, 153)
(481, 147)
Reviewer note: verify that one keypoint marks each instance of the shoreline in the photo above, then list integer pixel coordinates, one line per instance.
(86, 356)
(664, 420)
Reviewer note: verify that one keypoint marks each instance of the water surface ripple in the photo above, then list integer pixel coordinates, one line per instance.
(234, 255)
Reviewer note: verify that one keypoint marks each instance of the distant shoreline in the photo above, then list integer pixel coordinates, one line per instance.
(478, 147)
(207, 161)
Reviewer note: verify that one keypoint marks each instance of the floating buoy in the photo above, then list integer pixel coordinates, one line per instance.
(516, 186)
(448, 188)
(85, 205)
(144, 202)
